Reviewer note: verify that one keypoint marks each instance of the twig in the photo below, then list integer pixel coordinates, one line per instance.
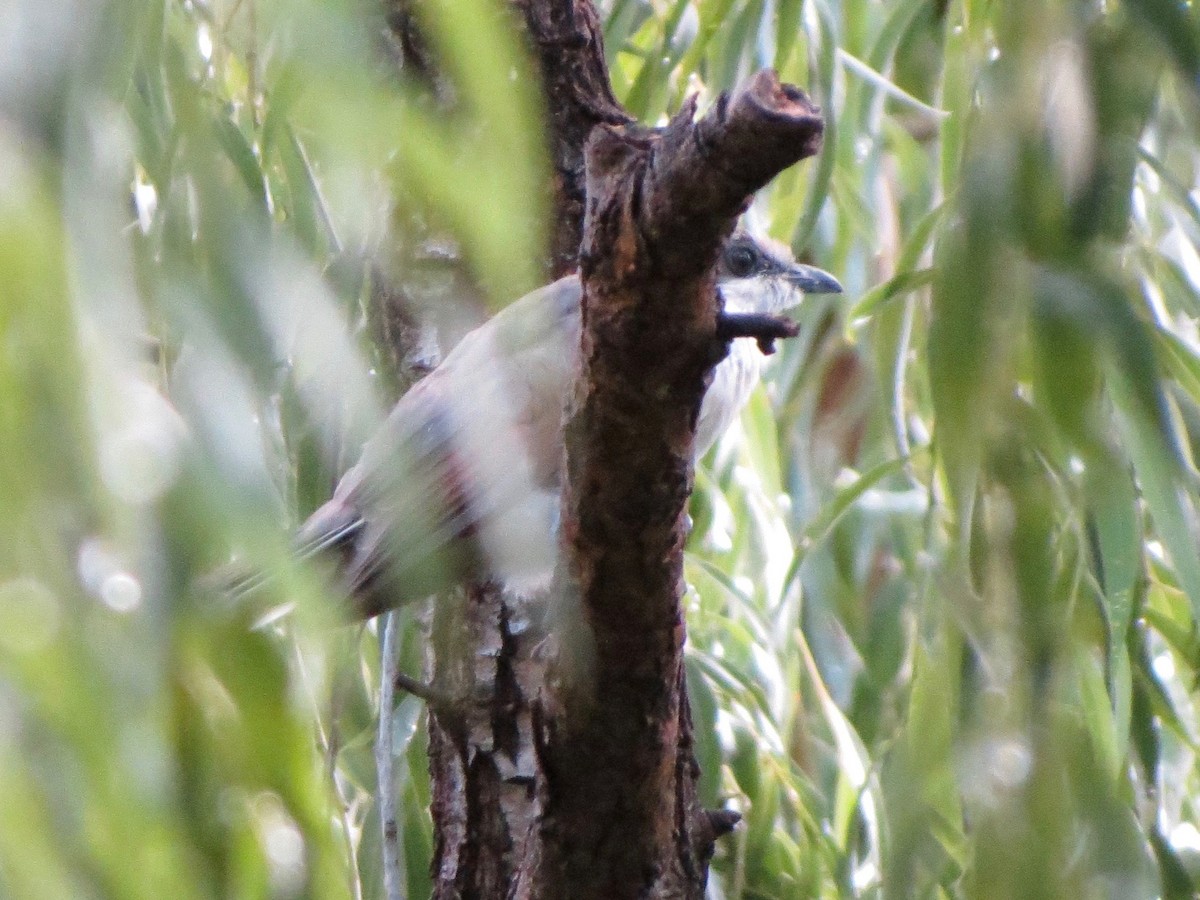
(393, 875)
(439, 701)
(764, 328)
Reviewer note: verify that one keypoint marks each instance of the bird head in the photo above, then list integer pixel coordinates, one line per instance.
(759, 275)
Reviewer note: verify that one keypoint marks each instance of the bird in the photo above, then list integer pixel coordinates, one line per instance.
(462, 481)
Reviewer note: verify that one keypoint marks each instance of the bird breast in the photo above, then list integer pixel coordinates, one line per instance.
(733, 381)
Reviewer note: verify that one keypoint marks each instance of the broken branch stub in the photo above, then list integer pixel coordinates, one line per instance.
(696, 176)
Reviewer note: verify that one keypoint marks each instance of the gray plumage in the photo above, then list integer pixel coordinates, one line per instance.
(462, 480)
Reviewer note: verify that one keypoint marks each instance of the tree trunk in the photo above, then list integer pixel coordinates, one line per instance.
(561, 746)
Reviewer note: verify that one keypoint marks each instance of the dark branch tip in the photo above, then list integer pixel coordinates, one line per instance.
(721, 107)
(765, 329)
(687, 112)
(722, 821)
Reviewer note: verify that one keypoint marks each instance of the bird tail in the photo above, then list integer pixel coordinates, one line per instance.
(334, 532)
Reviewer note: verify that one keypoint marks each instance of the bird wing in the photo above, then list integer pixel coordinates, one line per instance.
(462, 478)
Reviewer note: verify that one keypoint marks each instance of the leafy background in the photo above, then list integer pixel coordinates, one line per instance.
(945, 577)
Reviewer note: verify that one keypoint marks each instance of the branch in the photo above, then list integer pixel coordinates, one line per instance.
(659, 205)
(393, 877)
(568, 43)
(765, 329)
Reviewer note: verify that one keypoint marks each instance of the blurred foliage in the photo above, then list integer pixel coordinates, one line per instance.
(945, 573)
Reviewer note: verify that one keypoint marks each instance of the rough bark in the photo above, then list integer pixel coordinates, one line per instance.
(621, 817)
(487, 790)
(568, 44)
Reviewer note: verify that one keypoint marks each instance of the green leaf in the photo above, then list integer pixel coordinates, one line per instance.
(238, 149)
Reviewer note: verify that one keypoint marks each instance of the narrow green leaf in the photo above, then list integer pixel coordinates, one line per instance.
(240, 153)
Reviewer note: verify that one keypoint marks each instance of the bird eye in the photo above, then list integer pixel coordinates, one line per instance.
(740, 261)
